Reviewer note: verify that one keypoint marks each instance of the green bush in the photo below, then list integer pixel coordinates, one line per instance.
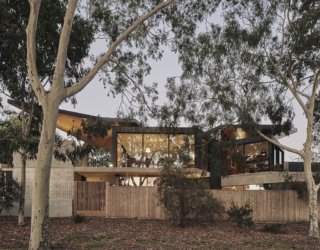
(241, 216)
(186, 198)
(78, 218)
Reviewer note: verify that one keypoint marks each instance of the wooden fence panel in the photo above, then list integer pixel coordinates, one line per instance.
(90, 198)
(134, 202)
(143, 202)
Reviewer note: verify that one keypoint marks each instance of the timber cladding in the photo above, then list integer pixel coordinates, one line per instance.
(89, 198)
(143, 202)
(134, 202)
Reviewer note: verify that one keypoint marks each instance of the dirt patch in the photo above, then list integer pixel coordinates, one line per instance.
(101, 233)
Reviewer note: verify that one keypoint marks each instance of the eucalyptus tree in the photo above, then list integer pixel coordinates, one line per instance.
(14, 81)
(263, 58)
(133, 32)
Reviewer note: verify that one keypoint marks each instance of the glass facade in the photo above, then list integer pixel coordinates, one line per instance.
(152, 149)
(252, 157)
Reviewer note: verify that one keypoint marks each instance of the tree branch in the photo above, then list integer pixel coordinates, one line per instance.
(135, 84)
(291, 88)
(292, 150)
(105, 58)
(315, 84)
(31, 49)
(58, 77)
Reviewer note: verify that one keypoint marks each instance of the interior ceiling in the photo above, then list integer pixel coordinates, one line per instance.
(68, 123)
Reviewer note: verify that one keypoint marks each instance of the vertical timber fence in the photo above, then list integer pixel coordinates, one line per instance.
(89, 198)
(143, 202)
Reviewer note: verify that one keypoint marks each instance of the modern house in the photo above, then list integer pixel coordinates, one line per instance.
(224, 153)
(228, 156)
(135, 151)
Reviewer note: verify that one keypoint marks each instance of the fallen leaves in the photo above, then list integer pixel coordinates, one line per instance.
(102, 233)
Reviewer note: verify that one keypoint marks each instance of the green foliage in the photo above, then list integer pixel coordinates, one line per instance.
(277, 228)
(241, 215)
(78, 218)
(9, 191)
(316, 130)
(244, 64)
(11, 139)
(91, 128)
(13, 74)
(99, 157)
(14, 19)
(185, 198)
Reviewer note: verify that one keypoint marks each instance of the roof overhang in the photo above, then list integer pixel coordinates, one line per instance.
(69, 121)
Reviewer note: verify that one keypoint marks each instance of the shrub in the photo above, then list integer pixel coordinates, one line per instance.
(185, 198)
(277, 228)
(241, 216)
(78, 218)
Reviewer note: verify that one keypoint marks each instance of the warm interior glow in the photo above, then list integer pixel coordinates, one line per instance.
(151, 150)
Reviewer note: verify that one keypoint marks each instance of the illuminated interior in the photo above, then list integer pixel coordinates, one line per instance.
(244, 158)
(231, 133)
(152, 150)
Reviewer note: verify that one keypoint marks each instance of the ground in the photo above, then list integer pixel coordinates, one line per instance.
(101, 233)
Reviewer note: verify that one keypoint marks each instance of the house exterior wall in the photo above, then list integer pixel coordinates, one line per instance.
(61, 187)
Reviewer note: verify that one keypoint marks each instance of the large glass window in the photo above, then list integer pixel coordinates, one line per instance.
(181, 150)
(151, 150)
(235, 159)
(256, 157)
(129, 150)
(155, 149)
(244, 158)
(277, 158)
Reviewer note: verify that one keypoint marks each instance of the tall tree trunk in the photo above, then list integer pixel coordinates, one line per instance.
(312, 200)
(311, 185)
(39, 237)
(25, 131)
(22, 188)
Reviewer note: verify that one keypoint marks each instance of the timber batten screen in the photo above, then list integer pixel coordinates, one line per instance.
(90, 198)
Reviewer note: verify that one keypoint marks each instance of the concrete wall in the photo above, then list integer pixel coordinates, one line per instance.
(261, 178)
(61, 187)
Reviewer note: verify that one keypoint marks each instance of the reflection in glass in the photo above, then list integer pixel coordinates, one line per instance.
(129, 150)
(246, 158)
(257, 157)
(151, 150)
(181, 150)
(155, 149)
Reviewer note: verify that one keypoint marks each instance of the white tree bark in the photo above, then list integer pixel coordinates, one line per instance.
(39, 236)
(311, 185)
(50, 101)
(306, 154)
(306, 99)
(312, 200)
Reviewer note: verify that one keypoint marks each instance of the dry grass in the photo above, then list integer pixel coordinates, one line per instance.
(101, 233)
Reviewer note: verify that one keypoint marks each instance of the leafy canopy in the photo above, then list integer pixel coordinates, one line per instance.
(241, 71)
